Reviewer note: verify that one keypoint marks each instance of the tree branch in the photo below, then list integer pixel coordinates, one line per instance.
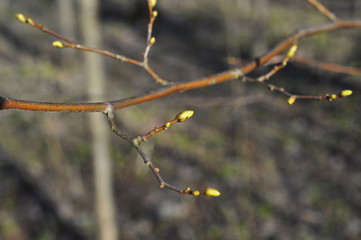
(8, 103)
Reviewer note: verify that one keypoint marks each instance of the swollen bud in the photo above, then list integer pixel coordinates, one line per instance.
(211, 192)
(21, 17)
(30, 21)
(195, 193)
(291, 100)
(152, 3)
(58, 44)
(345, 93)
(152, 40)
(292, 52)
(181, 117)
(167, 125)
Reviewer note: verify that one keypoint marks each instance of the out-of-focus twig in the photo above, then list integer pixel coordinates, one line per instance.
(330, 67)
(322, 9)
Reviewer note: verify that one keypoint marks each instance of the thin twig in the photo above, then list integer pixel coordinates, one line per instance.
(150, 42)
(294, 97)
(109, 112)
(158, 129)
(71, 44)
(103, 52)
(150, 39)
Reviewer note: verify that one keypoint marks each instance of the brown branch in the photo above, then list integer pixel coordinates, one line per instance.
(8, 103)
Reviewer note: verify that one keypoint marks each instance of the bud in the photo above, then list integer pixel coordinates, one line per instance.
(155, 13)
(211, 192)
(291, 100)
(30, 21)
(345, 93)
(58, 44)
(152, 40)
(21, 17)
(167, 125)
(181, 117)
(292, 52)
(195, 193)
(152, 3)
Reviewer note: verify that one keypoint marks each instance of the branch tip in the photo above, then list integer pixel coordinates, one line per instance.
(152, 3)
(291, 100)
(21, 17)
(345, 93)
(211, 192)
(292, 51)
(181, 117)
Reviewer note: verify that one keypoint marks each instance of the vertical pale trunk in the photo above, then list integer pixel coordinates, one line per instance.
(94, 71)
(66, 11)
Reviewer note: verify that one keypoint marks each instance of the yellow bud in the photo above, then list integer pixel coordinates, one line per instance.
(152, 3)
(292, 52)
(345, 93)
(333, 96)
(21, 17)
(195, 193)
(167, 125)
(211, 192)
(181, 117)
(152, 40)
(155, 13)
(58, 44)
(30, 21)
(291, 100)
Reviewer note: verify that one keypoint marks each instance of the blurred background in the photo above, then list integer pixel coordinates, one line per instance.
(285, 172)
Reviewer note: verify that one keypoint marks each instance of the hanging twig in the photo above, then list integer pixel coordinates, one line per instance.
(181, 117)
